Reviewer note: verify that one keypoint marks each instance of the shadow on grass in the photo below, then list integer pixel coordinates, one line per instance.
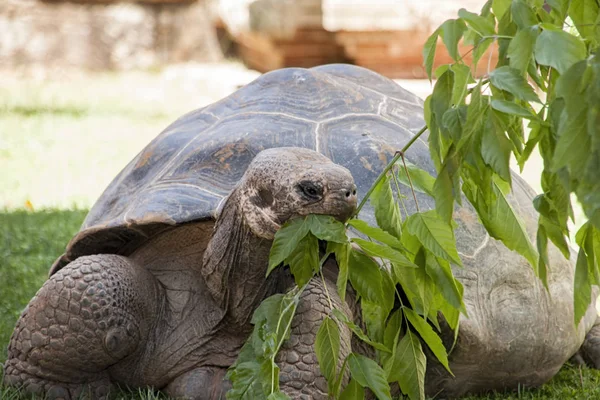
(31, 241)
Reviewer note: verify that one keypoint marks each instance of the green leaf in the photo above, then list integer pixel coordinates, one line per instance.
(357, 331)
(504, 224)
(245, 379)
(500, 7)
(415, 282)
(571, 88)
(480, 49)
(441, 274)
(509, 107)
(522, 14)
(520, 49)
(444, 189)
(429, 52)
(386, 209)
(451, 31)
(559, 50)
(453, 121)
(408, 368)
(573, 146)
(560, 7)
(536, 133)
(285, 241)
(479, 24)
(496, 148)
(587, 240)
(365, 277)
(255, 370)
(278, 396)
(342, 254)
(432, 340)
(374, 316)
(542, 247)
(435, 234)
(555, 233)
(462, 76)
(369, 374)
(421, 180)
(510, 79)
(274, 315)
(385, 252)
(584, 14)
(375, 233)
(486, 9)
(353, 391)
(327, 228)
(451, 314)
(390, 338)
(327, 347)
(304, 260)
(583, 287)
(269, 377)
(441, 98)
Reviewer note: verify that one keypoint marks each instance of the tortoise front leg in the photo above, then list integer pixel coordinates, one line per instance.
(86, 319)
(300, 377)
(206, 383)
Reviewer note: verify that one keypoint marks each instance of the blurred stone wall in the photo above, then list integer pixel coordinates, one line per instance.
(105, 36)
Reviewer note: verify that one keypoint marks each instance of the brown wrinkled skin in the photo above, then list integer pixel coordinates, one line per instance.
(175, 313)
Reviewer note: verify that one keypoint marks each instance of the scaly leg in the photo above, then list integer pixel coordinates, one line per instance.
(87, 317)
(300, 377)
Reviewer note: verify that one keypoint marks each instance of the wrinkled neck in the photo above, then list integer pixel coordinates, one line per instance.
(235, 264)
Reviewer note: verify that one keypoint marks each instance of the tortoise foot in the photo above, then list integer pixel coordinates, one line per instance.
(83, 322)
(206, 383)
(15, 375)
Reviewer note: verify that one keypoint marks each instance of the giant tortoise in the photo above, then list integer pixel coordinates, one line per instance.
(158, 287)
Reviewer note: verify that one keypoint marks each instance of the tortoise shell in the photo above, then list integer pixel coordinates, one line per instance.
(353, 116)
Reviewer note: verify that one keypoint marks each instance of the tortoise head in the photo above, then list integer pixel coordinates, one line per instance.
(287, 182)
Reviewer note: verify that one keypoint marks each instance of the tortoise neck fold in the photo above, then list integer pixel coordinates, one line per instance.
(235, 264)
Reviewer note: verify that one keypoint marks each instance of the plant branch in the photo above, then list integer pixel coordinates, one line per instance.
(388, 167)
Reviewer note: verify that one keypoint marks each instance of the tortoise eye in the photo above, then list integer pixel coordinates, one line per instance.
(310, 190)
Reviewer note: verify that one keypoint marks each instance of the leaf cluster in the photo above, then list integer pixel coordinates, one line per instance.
(400, 274)
(543, 94)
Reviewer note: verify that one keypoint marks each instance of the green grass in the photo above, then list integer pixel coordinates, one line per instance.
(61, 143)
(29, 244)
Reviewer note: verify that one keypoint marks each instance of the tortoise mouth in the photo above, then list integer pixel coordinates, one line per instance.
(341, 209)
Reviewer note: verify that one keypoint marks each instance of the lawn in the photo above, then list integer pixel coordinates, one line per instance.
(61, 142)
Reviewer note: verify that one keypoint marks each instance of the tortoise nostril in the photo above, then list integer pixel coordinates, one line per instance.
(348, 193)
(354, 192)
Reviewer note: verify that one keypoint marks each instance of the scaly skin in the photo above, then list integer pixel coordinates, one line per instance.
(300, 377)
(85, 318)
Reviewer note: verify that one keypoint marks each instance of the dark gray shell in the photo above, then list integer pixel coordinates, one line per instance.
(354, 116)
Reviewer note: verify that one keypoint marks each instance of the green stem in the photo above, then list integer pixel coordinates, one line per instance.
(388, 168)
(338, 383)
